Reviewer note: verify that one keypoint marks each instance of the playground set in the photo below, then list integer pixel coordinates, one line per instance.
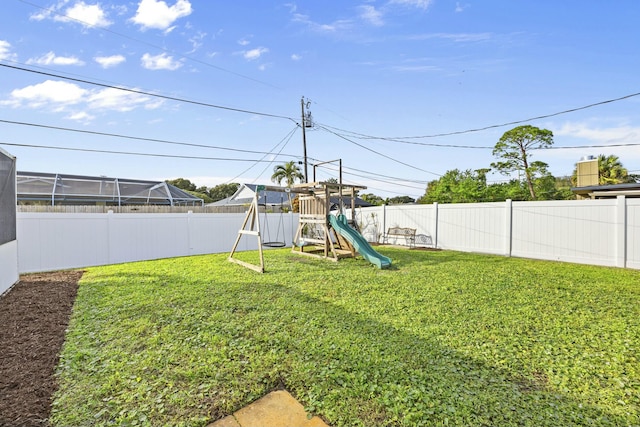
(323, 229)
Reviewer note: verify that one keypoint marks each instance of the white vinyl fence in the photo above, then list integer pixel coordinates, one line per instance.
(598, 232)
(8, 265)
(53, 241)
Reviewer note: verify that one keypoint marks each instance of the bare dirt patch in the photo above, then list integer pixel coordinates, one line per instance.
(33, 319)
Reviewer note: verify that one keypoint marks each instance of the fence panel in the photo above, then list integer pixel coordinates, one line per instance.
(157, 236)
(375, 221)
(477, 227)
(53, 241)
(8, 265)
(582, 232)
(49, 241)
(633, 233)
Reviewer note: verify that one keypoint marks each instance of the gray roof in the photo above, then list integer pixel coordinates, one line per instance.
(56, 188)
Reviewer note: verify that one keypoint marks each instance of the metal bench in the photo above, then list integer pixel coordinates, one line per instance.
(408, 234)
(424, 241)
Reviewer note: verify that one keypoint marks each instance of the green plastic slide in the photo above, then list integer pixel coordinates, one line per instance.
(340, 224)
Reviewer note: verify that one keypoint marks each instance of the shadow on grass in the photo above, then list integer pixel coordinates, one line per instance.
(355, 370)
(257, 332)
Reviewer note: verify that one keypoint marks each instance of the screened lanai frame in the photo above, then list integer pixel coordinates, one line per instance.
(7, 197)
(62, 189)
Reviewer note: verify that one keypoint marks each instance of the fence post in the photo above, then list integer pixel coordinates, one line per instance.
(384, 219)
(435, 224)
(508, 227)
(189, 226)
(621, 231)
(109, 235)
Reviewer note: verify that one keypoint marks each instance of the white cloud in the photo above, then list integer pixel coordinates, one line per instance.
(421, 4)
(416, 68)
(196, 41)
(592, 138)
(160, 62)
(454, 37)
(79, 104)
(81, 116)
(88, 15)
(5, 50)
(47, 93)
(371, 15)
(157, 14)
(109, 61)
(253, 54)
(243, 42)
(335, 26)
(601, 135)
(461, 7)
(51, 58)
(117, 100)
(296, 57)
(54, 10)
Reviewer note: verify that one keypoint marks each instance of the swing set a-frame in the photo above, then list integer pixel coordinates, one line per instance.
(315, 236)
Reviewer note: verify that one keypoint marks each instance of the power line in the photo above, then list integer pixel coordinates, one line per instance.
(141, 92)
(287, 138)
(284, 141)
(401, 139)
(390, 139)
(378, 153)
(128, 153)
(631, 144)
(137, 138)
(372, 176)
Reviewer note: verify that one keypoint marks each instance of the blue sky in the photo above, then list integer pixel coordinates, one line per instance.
(400, 71)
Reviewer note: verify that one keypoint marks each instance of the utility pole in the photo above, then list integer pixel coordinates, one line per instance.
(306, 123)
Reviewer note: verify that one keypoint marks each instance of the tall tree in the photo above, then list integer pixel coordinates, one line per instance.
(222, 191)
(514, 148)
(457, 186)
(610, 171)
(400, 200)
(288, 172)
(182, 183)
(372, 198)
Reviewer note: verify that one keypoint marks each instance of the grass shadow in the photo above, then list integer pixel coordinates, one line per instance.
(196, 339)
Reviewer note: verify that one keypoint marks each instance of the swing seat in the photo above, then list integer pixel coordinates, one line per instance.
(274, 244)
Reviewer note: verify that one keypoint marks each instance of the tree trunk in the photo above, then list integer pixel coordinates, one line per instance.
(527, 173)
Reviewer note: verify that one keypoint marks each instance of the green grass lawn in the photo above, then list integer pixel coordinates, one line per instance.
(441, 338)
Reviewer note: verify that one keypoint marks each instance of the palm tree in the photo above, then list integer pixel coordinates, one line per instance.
(288, 172)
(611, 170)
